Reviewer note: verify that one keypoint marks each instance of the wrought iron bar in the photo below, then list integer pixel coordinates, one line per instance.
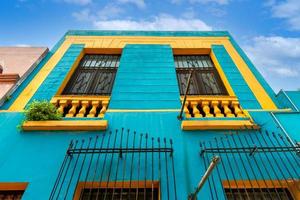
(185, 95)
(86, 175)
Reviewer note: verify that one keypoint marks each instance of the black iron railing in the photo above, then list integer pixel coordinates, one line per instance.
(117, 165)
(258, 165)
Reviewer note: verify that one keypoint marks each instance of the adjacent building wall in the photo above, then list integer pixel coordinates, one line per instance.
(17, 63)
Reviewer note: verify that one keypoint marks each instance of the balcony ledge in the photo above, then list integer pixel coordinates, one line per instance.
(65, 125)
(214, 124)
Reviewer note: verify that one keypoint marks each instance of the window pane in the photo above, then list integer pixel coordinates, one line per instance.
(92, 76)
(80, 85)
(205, 79)
(104, 82)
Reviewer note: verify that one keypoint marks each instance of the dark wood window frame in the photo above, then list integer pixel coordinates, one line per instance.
(205, 80)
(94, 75)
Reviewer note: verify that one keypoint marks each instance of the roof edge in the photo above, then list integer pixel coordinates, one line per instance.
(147, 33)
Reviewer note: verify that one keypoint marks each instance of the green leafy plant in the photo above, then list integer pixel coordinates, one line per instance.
(41, 111)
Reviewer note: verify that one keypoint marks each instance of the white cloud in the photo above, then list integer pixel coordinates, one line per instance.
(161, 22)
(107, 12)
(110, 11)
(288, 10)
(279, 56)
(79, 2)
(83, 15)
(138, 3)
(219, 2)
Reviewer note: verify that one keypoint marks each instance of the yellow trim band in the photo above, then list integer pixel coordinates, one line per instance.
(142, 110)
(189, 125)
(63, 125)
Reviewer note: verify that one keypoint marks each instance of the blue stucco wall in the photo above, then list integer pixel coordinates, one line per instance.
(146, 79)
(35, 157)
(54, 80)
(295, 98)
(290, 122)
(236, 80)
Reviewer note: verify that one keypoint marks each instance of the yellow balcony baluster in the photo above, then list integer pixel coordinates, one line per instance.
(186, 110)
(206, 108)
(216, 109)
(227, 110)
(72, 111)
(103, 109)
(237, 110)
(93, 111)
(82, 111)
(196, 111)
(62, 105)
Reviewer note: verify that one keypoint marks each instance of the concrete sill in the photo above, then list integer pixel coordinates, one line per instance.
(217, 125)
(65, 125)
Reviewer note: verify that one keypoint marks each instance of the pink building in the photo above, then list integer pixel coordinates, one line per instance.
(16, 63)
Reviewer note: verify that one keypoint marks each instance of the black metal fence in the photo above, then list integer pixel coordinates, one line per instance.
(258, 165)
(117, 165)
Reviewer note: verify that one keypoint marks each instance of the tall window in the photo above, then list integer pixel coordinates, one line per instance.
(205, 79)
(95, 75)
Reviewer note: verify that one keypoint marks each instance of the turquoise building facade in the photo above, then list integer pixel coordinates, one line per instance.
(145, 151)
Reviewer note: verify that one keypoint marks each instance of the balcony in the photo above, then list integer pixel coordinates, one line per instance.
(210, 106)
(81, 106)
(81, 113)
(215, 112)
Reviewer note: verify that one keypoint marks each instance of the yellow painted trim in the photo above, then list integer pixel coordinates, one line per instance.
(80, 98)
(269, 110)
(188, 125)
(64, 125)
(222, 74)
(116, 51)
(209, 98)
(103, 42)
(257, 89)
(141, 110)
(36, 82)
(189, 51)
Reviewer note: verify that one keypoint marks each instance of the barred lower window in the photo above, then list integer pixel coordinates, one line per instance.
(11, 194)
(257, 194)
(205, 79)
(121, 193)
(95, 75)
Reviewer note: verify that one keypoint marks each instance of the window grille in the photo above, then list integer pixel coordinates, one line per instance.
(119, 193)
(122, 164)
(94, 75)
(205, 79)
(258, 194)
(11, 194)
(257, 165)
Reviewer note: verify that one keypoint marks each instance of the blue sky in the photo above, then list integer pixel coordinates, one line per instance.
(267, 30)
